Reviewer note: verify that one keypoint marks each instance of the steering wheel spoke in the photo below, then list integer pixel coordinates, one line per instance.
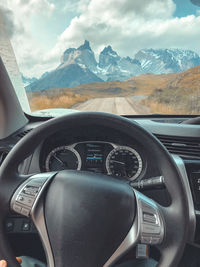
(151, 221)
(148, 227)
(27, 195)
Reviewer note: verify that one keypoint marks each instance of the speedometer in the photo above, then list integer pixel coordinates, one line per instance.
(125, 162)
(63, 158)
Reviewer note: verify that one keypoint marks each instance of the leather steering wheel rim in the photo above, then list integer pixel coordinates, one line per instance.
(176, 216)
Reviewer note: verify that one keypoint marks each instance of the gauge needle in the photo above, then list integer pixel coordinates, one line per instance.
(59, 160)
(118, 162)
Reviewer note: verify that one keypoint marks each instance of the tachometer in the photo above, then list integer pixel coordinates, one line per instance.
(124, 162)
(63, 158)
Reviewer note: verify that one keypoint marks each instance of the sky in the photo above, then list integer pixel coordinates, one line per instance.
(41, 30)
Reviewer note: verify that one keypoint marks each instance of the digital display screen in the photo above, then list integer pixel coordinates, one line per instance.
(94, 157)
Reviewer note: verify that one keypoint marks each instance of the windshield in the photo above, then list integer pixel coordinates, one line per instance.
(120, 56)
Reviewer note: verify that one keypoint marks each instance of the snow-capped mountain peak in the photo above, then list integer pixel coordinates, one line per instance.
(85, 46)
(167, 60)
(108, 57)
(78, 65)
(83, 55)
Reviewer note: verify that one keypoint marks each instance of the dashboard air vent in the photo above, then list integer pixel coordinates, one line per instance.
(3, 155)
(22, 134)
(185, 147)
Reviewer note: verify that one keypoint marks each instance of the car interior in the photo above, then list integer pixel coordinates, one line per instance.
(174, 136)
(93, 189)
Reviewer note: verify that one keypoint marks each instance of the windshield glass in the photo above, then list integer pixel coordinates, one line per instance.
(124, 57)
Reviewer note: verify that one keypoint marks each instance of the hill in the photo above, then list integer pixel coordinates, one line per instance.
(181, 93)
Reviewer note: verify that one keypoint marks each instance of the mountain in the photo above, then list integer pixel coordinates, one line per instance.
(65, 76)
(83, 56)
(79, 66)
(159, 61)
(112, 67)
(108, 57)
(26, 80)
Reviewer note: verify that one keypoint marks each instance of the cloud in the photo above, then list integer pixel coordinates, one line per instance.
(130, 26)
(125, 24)
(77, 6)
(104, 22)
(18, 20)
(7, 17)
(32, 6)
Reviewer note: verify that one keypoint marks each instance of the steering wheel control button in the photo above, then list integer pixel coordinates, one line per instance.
(26, 198)
(149, 218)
(26, 195)
(150, 229)
(31, 190)
(20, 198)
(27, 201)
(151, 224)
(17, 208)
(25, 212)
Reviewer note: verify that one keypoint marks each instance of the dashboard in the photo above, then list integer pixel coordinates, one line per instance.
(93, 149)
(96, 156)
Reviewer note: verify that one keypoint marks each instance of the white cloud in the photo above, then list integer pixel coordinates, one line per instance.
(77, 6)
(7, 17)
(28, 52)
(131, 25)
(28, 7)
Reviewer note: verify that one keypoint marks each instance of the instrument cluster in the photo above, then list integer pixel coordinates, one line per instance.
(96, 156)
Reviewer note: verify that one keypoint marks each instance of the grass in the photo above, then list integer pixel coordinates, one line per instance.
(146, 84)
(174, 101)
(156, 107)
(180, 95)
(39, 101)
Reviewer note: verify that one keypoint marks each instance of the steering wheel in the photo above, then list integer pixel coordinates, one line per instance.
(87, 219)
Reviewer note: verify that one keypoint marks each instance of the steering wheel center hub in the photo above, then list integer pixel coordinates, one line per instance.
(72, 200)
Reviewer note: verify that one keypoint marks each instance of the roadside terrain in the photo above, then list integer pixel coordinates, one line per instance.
(177, 93)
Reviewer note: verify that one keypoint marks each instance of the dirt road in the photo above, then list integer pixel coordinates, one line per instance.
(116, 105)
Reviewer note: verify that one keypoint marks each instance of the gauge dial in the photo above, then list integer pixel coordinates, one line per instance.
(63, 158)
(124, 162)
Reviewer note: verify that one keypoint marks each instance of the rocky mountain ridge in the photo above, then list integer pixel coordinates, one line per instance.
(79, 66)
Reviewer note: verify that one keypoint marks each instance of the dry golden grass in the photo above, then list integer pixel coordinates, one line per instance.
(66, 100)
(180, 95)
(160, 108)
(104, 89)
(146, 84)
